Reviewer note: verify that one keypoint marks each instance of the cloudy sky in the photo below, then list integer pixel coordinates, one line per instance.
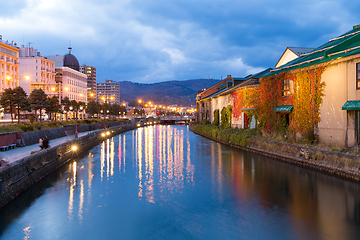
(158, 40)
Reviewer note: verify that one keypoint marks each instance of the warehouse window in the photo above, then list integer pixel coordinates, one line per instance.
(286, 88)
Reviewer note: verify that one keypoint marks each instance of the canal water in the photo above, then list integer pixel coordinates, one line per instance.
(165, 182)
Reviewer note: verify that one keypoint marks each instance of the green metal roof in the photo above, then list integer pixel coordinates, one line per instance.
(352, 105)
(345, 45)
(284, 108)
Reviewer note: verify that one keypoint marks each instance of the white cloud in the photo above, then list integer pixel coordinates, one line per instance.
(176, 55)
(162, 40)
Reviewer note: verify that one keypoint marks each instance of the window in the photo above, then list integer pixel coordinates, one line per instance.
(358, 76)
(286, 88)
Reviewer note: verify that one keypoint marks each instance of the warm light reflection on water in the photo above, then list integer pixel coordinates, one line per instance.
(159, 154)
(164, 182)
(27, 232)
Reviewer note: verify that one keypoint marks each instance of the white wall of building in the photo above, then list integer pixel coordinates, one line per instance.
(286, 57)
(337, 126)
(41, 72)
(218, 103)
(74, 84)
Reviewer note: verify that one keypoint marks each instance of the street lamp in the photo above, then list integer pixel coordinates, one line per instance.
(76, 132)
(8, 79)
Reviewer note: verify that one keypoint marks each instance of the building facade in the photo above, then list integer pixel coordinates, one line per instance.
(335, 65)
(91, 81)
(69, 81)
(9, 65)
(108, 92)
(38, 72)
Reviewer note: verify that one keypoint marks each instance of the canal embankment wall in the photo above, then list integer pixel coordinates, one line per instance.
(21, 174)
(339, 164)
(30, 138)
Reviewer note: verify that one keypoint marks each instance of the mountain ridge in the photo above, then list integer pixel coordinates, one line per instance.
(173, 92)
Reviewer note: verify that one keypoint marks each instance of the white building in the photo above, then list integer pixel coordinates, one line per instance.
(37, 71)
(292, 53)
(70, 82)
(108, 92)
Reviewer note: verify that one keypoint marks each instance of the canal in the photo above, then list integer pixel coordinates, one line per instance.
(165, 182)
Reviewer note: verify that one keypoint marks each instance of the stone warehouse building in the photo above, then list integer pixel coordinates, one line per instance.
(338, 64)
(340, 109)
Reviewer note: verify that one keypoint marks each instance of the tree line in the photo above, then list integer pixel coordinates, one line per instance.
(15, 101)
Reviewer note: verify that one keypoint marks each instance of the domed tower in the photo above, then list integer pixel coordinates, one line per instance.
(71, 61)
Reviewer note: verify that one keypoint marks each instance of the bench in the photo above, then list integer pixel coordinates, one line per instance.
(4, 148)
(12, 146)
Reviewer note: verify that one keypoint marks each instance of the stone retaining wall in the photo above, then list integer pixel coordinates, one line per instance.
(333, 163)
(30, 138)
(21, 174)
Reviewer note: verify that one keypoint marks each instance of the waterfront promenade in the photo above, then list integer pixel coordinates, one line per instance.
(18, 153)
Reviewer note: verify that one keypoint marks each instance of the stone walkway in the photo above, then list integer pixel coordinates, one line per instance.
(21, 152)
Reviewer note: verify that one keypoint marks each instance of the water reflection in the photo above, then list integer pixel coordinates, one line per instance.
(169, 181)
(159, 154)
(27, 232)
(73, 170)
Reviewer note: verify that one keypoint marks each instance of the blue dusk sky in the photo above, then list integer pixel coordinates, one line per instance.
(159, 40)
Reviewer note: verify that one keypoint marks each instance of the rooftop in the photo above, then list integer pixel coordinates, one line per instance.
(345, 45)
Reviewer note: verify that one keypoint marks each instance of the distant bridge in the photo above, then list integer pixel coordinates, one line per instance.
(175, 120)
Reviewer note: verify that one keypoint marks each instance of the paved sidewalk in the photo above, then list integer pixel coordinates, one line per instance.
(21, 152)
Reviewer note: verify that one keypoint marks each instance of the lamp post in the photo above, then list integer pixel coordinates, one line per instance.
(76, 133)
(8, 79)
(106, 100)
